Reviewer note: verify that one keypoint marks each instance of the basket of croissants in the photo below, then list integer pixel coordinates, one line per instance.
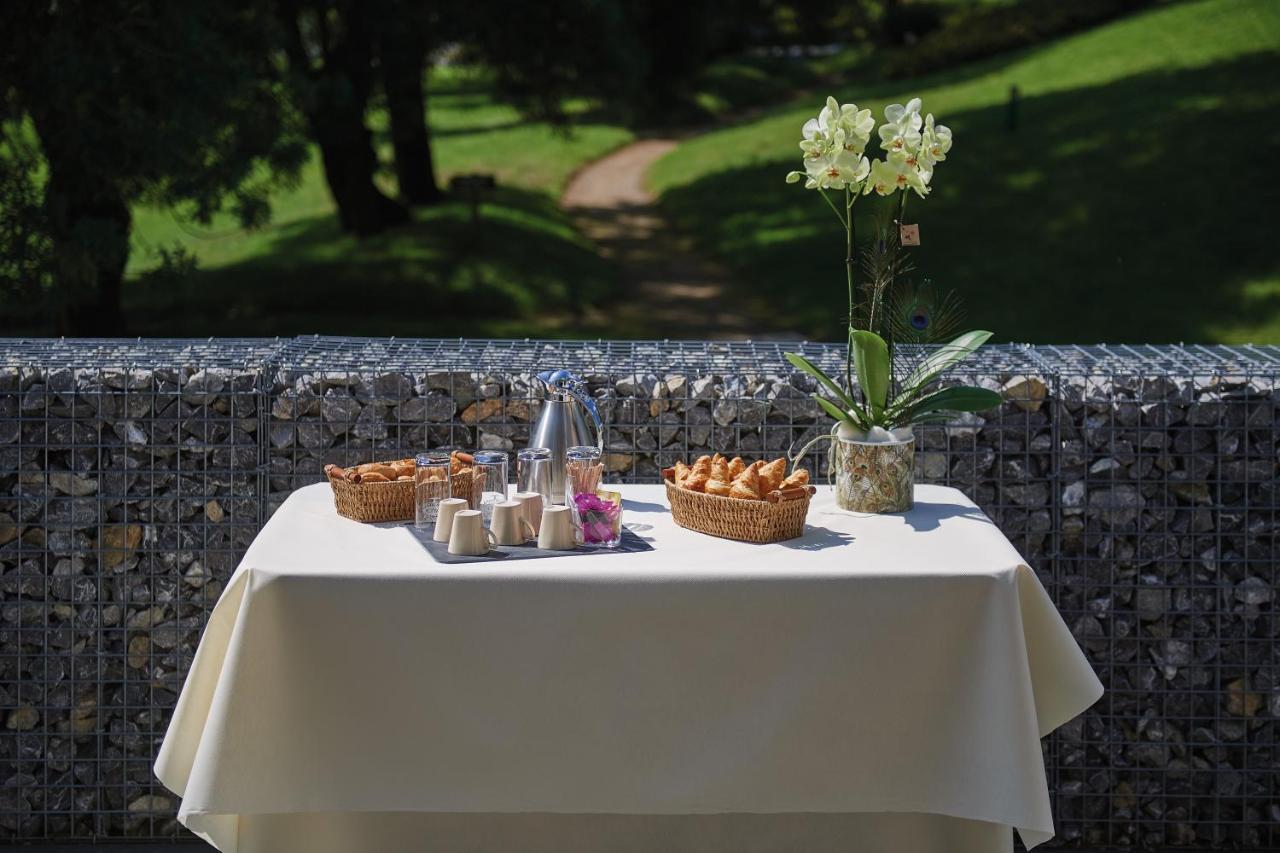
(733, 499)
(383, 491)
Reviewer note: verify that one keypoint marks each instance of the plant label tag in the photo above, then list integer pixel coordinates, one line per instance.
(909, 235)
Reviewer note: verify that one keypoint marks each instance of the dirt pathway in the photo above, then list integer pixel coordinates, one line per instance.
(669, 290)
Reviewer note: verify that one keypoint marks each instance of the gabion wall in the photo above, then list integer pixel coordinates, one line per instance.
(1140, 482)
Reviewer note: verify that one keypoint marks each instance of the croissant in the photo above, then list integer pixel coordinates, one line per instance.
(718, 487)
(720, 469)
(799, 477)
(697, 481)
(772, 475)
(681, 472)
(736, 467)
(747, 485)
(702, 466)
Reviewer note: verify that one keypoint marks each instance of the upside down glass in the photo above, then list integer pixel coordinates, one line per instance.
(533, 472)
(597, 512)
(431, 484)
(491, 470)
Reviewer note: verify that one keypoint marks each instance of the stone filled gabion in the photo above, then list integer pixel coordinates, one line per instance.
(1142, 490)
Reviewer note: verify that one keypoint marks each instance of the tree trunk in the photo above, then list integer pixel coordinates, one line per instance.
(89, 225)
(346, 151)
(403, 66)
(337, 94)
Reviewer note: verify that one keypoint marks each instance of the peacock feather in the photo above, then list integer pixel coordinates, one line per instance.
(923, 314)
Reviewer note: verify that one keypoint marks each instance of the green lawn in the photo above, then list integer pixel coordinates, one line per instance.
(1134, 202)
(522, 270)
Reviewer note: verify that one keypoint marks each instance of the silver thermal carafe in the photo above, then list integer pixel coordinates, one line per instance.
(561, 423)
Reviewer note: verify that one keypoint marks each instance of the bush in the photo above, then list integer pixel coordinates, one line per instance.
(986, 31)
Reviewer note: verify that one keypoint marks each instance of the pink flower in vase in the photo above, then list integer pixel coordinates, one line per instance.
(599, 517)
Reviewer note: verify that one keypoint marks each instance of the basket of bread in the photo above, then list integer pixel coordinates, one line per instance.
(733, 499)
(383, 491)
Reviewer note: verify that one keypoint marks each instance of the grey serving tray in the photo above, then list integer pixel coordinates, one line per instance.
(631, 544)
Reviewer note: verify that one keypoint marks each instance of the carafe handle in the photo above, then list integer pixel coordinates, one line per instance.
(579, 394)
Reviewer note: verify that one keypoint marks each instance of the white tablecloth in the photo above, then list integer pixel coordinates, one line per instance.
(880, 684)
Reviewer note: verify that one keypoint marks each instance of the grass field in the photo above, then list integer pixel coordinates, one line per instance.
(522, 270)
(1134, 202)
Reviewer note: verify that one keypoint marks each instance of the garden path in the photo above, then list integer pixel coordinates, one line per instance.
(669, 290)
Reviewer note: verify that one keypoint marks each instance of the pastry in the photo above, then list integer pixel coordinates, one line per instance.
(697, 480)
(720, 469)
(747, 485)
(799, 477)
(736, 467)
(718, 487)
(772, 474)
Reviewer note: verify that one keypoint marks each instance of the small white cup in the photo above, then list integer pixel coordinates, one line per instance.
(531, 502)
(469, 538)
(449, 507)
(556, 532)
(509, 525)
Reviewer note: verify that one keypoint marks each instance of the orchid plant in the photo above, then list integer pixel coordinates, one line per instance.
(834, 150)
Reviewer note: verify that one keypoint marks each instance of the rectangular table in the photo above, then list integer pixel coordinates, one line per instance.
(880, 684)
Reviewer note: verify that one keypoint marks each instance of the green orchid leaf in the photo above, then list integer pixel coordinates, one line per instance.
(871, 360)
(804, 365)
(851, 417)
(946, 357)
(958, 398)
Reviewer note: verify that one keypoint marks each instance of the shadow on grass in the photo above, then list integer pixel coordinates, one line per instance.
(1114, 213)
(520, 270)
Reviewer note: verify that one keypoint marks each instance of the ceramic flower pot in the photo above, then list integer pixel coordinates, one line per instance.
(874, 476)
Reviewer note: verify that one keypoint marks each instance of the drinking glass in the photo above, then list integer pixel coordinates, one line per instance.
(431, 484)
(533, 472)
(597, 513)
(491, 469)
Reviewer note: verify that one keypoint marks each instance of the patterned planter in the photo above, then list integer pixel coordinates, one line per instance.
(874, 477)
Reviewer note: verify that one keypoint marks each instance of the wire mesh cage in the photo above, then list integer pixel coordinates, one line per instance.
(1140, 482)
(130, 485)
(1166, 567)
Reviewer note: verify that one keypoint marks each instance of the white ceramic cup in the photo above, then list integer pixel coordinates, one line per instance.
(449, 507)
(469, 538)
(556, 532)
(531, 502)
(509, 525)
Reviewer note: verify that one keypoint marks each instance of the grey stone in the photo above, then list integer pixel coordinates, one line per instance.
(1253, 591)
(339, 410)
(202, 387)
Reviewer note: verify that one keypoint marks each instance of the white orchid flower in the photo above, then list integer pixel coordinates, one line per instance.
(935, 141)
(836, 171)
(833, 147)
(883, 179)
(825, 124)
(835, 142)
(901, 130)
(897, 172)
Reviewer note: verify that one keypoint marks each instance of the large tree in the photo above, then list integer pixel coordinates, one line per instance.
(330, 45)
(129, 101)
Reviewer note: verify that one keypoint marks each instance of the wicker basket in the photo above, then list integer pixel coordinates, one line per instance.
(774, 520)
(370, 502)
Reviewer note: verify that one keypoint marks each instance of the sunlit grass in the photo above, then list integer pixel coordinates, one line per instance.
(1112, 213)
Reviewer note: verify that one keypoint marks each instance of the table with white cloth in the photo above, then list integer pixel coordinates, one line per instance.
(879, 685)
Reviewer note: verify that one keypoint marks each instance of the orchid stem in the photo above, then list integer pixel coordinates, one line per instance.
(850, 262)
(833, 207)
